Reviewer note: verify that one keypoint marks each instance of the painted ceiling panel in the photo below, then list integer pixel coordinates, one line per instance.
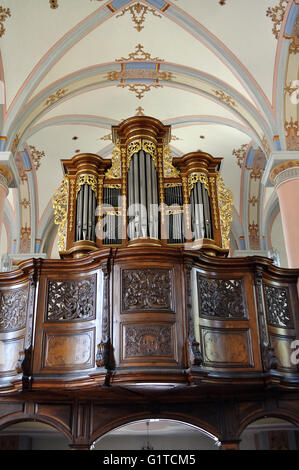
(103, 45)
(31, 30)
(245, 29)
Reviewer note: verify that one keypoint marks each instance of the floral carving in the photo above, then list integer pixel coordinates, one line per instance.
(276, 14)
(13, 309)
(146, 289)
(221, 298)
(154, 340)
(71, 300)
(277, 307)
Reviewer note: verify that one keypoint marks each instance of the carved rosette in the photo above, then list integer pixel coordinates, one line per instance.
(147, 289)
(71, 300)
(13, 309)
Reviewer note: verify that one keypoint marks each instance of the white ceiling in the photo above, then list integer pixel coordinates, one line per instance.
(206, 46)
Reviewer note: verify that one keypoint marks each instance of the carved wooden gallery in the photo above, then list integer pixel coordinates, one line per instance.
(145, 315)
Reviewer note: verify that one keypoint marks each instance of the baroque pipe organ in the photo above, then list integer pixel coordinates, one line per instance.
(145, 296)
(143, 196)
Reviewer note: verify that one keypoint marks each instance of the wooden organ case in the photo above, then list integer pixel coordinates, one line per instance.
(144, 293)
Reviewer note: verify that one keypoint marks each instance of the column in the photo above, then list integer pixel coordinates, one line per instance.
(285, 177)
(4, 184)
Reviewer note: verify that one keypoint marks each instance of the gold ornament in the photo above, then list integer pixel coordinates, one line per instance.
(60, 203)
(225, 204)
(114, 171)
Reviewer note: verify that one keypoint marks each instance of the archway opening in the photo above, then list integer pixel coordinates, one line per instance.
(270, 433)
(157, 434)
(32, 435)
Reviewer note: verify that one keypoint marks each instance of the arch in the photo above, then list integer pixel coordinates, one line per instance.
(28, 111)
(19, 418)
(119, 422)
(104, 13)
(285, 414)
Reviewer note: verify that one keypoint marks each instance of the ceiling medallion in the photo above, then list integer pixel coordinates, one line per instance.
(53, 3)
(277, 14)
(4, 13)
(139, 55)
(138, 12)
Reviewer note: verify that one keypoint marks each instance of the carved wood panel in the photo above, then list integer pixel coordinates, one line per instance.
(277, 306)
(222, 298)
(13, 309)
(69, 350)
(227, 348)
(69, 300)
(9, 354)
(148, 290)
(283, 351)
(148, 341)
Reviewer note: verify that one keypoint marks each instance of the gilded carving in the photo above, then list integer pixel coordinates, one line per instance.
(196, 177)
(152, 340)
(13, 309)
(221, 298)
(91, 180)
(115, 170)
(147, 290)
(169, 170)
(60, 203)
(225, 204)
(71, 300)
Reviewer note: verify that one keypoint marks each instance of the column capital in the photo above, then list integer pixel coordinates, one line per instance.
(9, 170)
(277, 158)
(285, 171)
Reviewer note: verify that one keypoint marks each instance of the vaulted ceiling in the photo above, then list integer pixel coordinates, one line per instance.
(220, 72)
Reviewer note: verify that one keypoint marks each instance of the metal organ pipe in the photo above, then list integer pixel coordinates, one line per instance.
(142, 195)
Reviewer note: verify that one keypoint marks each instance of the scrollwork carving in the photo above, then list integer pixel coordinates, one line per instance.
(71, 300)
(13, 309)
(277, 307)
(221, 298)
(147, 289)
